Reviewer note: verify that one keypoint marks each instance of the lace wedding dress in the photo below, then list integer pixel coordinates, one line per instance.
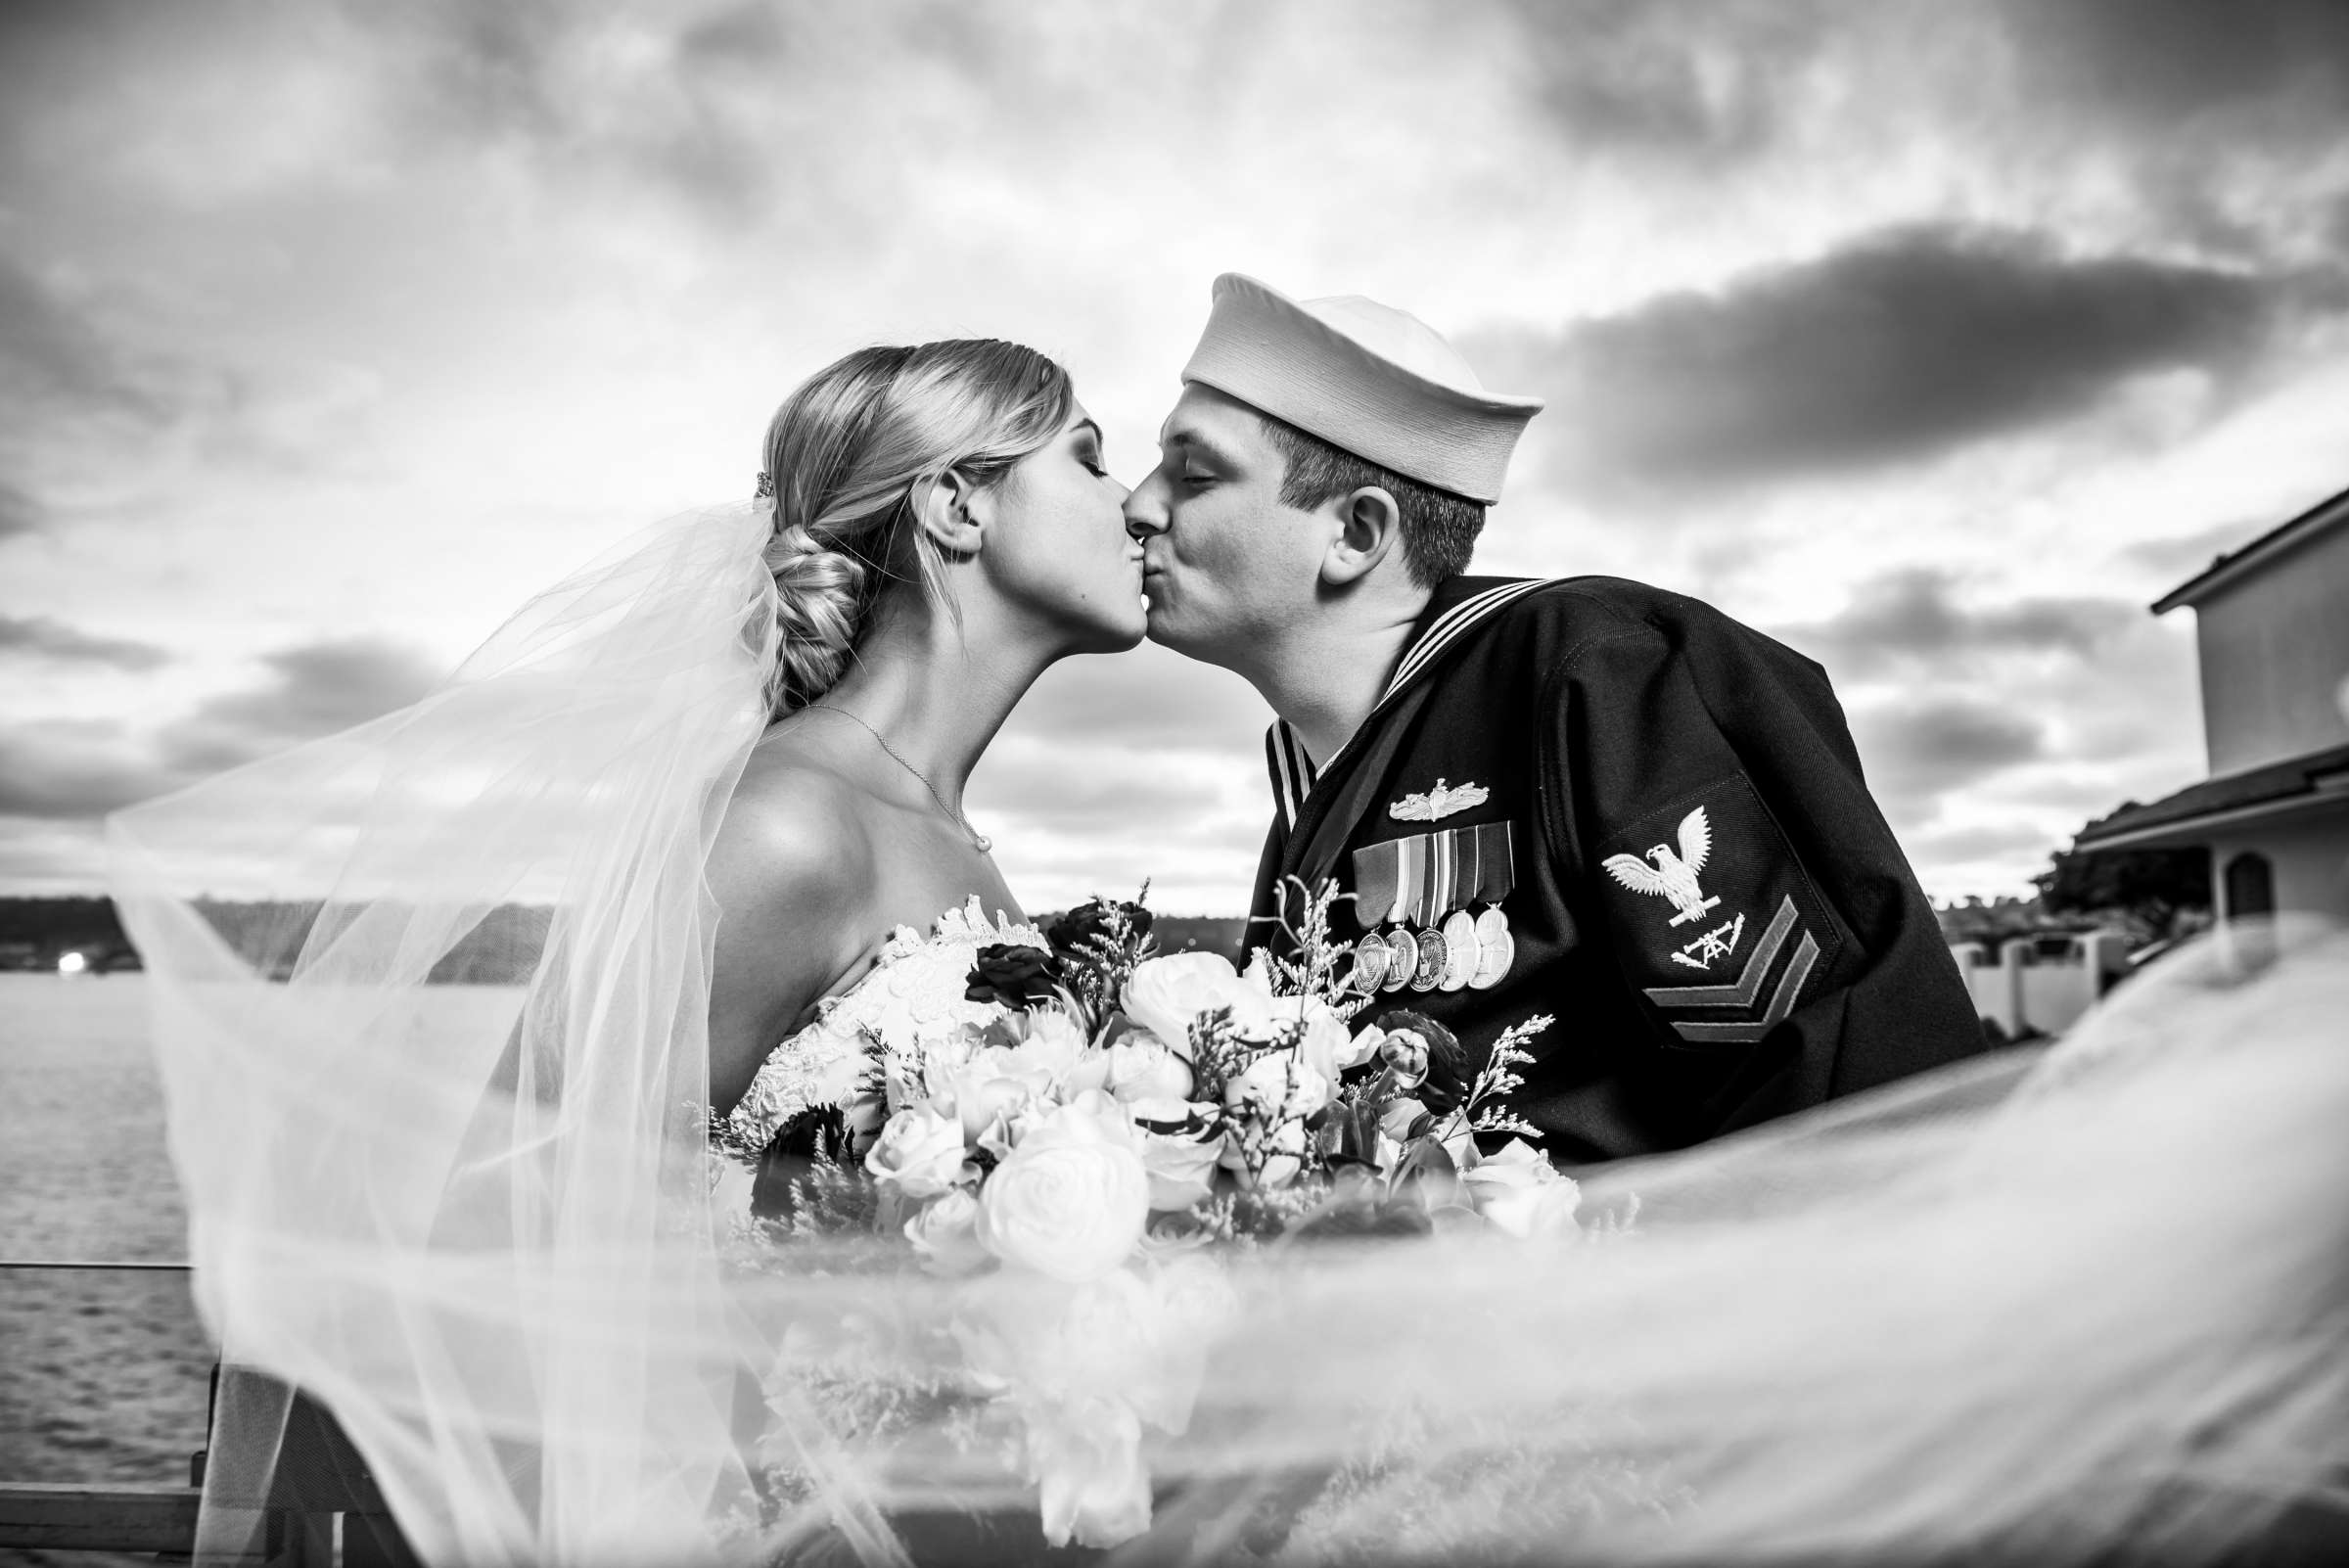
(911, 998)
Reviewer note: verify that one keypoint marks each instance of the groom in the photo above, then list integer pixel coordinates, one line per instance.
(1584, 797)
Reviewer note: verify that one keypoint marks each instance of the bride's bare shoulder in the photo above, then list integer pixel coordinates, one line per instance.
(797, 834)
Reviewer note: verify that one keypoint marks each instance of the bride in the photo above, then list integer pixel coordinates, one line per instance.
(943, 530)
(698, 810)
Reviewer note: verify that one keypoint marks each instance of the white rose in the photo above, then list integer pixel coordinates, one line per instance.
(985, 1090)
(1142, 1068)
(945, 1233)
(1520, 1193)
(1180, 1145)
(1166, 996)
(1070, 1200)
(919, 1152)
(1051, 1047)
(1279, 1087)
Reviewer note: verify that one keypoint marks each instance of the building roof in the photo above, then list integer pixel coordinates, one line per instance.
(2232, 566)
(2257, 790)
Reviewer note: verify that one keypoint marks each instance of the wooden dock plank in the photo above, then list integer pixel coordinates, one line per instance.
(98, 1518)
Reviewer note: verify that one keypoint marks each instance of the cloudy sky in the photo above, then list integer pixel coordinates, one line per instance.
(1935, 337)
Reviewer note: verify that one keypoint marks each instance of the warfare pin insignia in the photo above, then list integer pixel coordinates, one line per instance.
(1439, 803)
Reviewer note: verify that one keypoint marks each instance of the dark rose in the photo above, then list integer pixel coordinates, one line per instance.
(1017, 977)
(1447, 1074)
(1089, 923)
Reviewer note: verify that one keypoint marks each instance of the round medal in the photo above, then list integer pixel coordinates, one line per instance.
(1497, 950)
(1403, 956)
(1432, 955)
(1370, 960)
(1459, 950)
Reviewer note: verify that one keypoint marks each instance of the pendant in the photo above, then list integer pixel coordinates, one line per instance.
(986, 844)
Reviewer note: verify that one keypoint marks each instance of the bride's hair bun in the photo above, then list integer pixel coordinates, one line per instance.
(849, 456)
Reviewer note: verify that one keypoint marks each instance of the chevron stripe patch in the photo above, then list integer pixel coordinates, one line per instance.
(1781, 1002)
(1714, 920)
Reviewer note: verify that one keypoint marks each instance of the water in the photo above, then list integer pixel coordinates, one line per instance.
(103, 1374)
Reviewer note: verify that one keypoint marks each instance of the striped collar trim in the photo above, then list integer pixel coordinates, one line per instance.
(1293, 772)
(1449, 626)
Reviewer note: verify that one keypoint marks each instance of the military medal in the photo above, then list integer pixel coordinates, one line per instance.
(1426, 887)
(1460, 951)
(1432, 957)
(1496, 948)
(1496, 879)
(1427, 892)
(1402, 948)
(1402, 958)
(1377, 879)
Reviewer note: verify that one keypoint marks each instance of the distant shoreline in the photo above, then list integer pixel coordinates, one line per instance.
(37, 934)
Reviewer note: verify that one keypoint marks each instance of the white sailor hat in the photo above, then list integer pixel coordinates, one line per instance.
(1365, 377)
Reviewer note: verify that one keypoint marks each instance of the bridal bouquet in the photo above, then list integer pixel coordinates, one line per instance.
(1126, 1119)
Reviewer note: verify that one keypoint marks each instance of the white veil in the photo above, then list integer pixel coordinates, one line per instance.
(467, 1216)
(438, 1118)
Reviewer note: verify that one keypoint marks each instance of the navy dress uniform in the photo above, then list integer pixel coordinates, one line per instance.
(1585, 797)
(1616, 805)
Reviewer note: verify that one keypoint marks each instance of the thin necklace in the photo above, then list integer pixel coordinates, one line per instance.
(979, 840)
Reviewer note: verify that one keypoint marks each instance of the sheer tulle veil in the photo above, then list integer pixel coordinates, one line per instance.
(469, 1216)
(429, 1005)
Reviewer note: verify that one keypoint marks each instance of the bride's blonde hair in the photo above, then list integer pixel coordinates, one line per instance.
(849, 455)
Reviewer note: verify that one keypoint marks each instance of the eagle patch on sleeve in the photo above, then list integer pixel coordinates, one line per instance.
(1715, 920)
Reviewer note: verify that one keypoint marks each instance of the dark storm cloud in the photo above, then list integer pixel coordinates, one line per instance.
(69, 769)
(64, 770)
(1905, 345)
(1913, 614)
(2158, 63)
(312, 690)
(2222, 115)
(1915, 751)
(44, 637)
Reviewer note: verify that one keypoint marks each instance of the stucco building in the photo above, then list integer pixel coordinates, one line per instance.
(2271, 629)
